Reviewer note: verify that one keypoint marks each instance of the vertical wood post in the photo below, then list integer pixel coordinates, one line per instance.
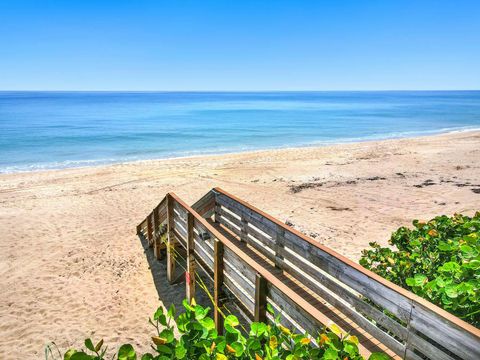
(218, 284)
(156, 235)
(216, 212)
(170, 240)
(260, 298)
(408, 344)
(279, 236)
(149, 230)
(190, 274)
(244, 230)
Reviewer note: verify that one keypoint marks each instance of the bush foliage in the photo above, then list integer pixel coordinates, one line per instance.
(438, 260)
(199, 340)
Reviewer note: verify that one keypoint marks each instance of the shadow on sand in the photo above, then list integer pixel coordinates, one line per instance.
(171, 293)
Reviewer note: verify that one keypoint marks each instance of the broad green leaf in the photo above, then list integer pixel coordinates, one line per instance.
(420, 279)
(231, 320)
(126, 352)
(158, 313)
(171, 311)
(89, 344)
(451, 291)
(239, 348)
(257, 328)
(180, 352)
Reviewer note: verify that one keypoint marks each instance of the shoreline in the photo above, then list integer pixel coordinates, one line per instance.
(70, 250)
(415, 135)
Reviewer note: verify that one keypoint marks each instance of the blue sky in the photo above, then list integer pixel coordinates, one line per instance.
(239, 45)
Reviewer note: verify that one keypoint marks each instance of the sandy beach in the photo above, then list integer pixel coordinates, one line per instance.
(72, 266)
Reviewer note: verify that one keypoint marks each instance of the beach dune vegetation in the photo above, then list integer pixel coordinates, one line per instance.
(199, 339)
(438, 260)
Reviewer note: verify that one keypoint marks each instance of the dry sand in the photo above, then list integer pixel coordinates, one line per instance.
(72, 266)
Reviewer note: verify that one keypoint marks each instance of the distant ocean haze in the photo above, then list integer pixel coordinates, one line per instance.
(48, 130)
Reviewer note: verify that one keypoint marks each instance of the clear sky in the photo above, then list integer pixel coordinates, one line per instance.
(239, 45)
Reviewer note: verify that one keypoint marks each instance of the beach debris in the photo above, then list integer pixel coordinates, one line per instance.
(308, 185)
(339, 208)
(375, 178)
(314, 183)
(428, 182)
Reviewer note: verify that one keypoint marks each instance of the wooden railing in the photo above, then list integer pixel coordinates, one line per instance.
(260, 260)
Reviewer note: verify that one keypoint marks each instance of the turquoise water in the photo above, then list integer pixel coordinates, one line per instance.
(45, 130)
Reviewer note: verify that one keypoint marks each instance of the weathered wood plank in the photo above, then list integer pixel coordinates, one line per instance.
(244, 212)
(162, 210)
(436, 327)
(240, 293)
(337, 295)
(149, 230)
(380, 294)
(170, 240)
(205, 204)
(268, 253)
(231, 272)
(156, 233)
(217, 285)
(410, 355)
(222, 220)
(182, 213)
(239, 266)
(260, 298)
(427, 348)
(279, 245)
(230, 219)
(341, 299)
(201, 253)
(231, 215)
(302, 318)
(259, 235)
(180, 228)
(190, 273)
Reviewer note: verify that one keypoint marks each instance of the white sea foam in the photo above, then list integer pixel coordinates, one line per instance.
(219, 151)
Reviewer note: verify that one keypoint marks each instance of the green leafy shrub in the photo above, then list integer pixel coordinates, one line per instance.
(438, 260)
(200, 340)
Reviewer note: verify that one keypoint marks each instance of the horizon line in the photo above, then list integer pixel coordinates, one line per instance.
(236, 91)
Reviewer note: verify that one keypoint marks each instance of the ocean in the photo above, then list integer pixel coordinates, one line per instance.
(51, 130)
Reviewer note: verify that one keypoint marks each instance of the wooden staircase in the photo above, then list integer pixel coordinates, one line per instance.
(256, 259)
